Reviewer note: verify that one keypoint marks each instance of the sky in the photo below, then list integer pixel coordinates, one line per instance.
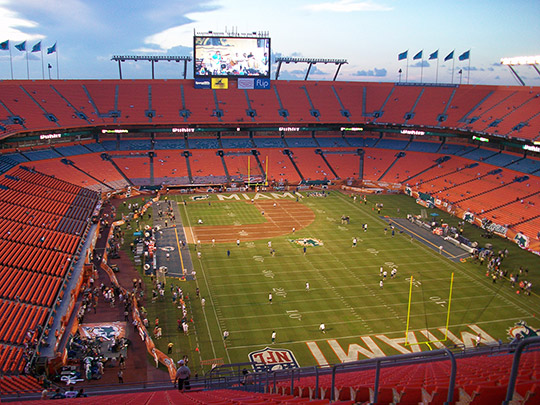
(369, 34)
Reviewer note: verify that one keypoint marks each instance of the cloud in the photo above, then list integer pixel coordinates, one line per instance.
(372, 73)
(423, 63)
(347, 6)
(474, 69)
(13, 26)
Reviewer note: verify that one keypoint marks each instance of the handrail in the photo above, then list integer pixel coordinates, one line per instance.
(515, 366)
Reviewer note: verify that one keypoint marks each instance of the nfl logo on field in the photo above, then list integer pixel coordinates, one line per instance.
(272, 359)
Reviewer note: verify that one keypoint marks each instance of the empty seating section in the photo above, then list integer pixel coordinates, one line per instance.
(103, 96)
(530, 131)
(409, 165)
(43, 106)
(172, 143)
(40, 154)
(527, 165)
(521, 111)
(400, 102)
(21, 383)
(236, 143)
(71, 150)
(332, 142)
(431, 105)
(12, 358)
(200, 103)
(502, 159)
(15, 102)
(203, 143)
(464, 101)
(419, 146)
(351, 96)
(266, 105)
(73, 91)
(206, 167)
(103, 171)
(19, 318)
(43, 220)
(60, 170)
(388, 143)
(280, 167)
(301, 142)
(376, 161)
(135, 144)
(375, 96)
(479, 379)
(454, 149)
(170, 167)
(166, 101)
(345, 164)
(233, 104)
(499, 105)
(325, 101)
(237, 165)
(267, 142)
(311, 165)
(136, 168)
(51, 102)
(294, 99)
(362, 142)
(133, 102)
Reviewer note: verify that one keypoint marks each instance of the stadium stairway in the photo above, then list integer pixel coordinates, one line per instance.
(398, 156)
(110, 158)
(320, 152)
(288, 153)
(221, 156)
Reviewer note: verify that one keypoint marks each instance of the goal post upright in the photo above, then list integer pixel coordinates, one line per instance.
(427, 342)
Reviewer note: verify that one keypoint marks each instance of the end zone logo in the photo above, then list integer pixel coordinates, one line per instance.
(308, 242)
(273, 359)
(521, 330)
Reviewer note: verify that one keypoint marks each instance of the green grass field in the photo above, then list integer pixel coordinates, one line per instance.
(362, 320)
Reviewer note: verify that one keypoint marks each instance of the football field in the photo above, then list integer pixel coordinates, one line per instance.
(363, 317)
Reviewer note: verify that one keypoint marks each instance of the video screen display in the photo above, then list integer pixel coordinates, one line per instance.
(231, 56)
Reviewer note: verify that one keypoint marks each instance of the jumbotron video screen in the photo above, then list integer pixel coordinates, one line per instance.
(231, 56)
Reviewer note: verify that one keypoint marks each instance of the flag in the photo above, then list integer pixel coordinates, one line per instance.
(52, 49)
(449, 56)
(434, 55)
(37, 47)
(4, 46)
(465, 55)
(21, 47)
(418, 55)
(402, 55)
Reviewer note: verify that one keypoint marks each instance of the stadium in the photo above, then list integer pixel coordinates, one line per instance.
(291, 240)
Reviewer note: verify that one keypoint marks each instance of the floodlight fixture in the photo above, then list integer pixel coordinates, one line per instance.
(151, 59)
(310, 62)
(519, 61)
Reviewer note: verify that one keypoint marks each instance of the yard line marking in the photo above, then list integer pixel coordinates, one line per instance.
(210, 297)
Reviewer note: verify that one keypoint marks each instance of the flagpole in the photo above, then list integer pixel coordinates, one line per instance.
(422, 68)
(437, 71)
(407, 69)
(42, 66)
(453, 63)
(469, 72)
(11, 62)
(27, 66)
(57, 69)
